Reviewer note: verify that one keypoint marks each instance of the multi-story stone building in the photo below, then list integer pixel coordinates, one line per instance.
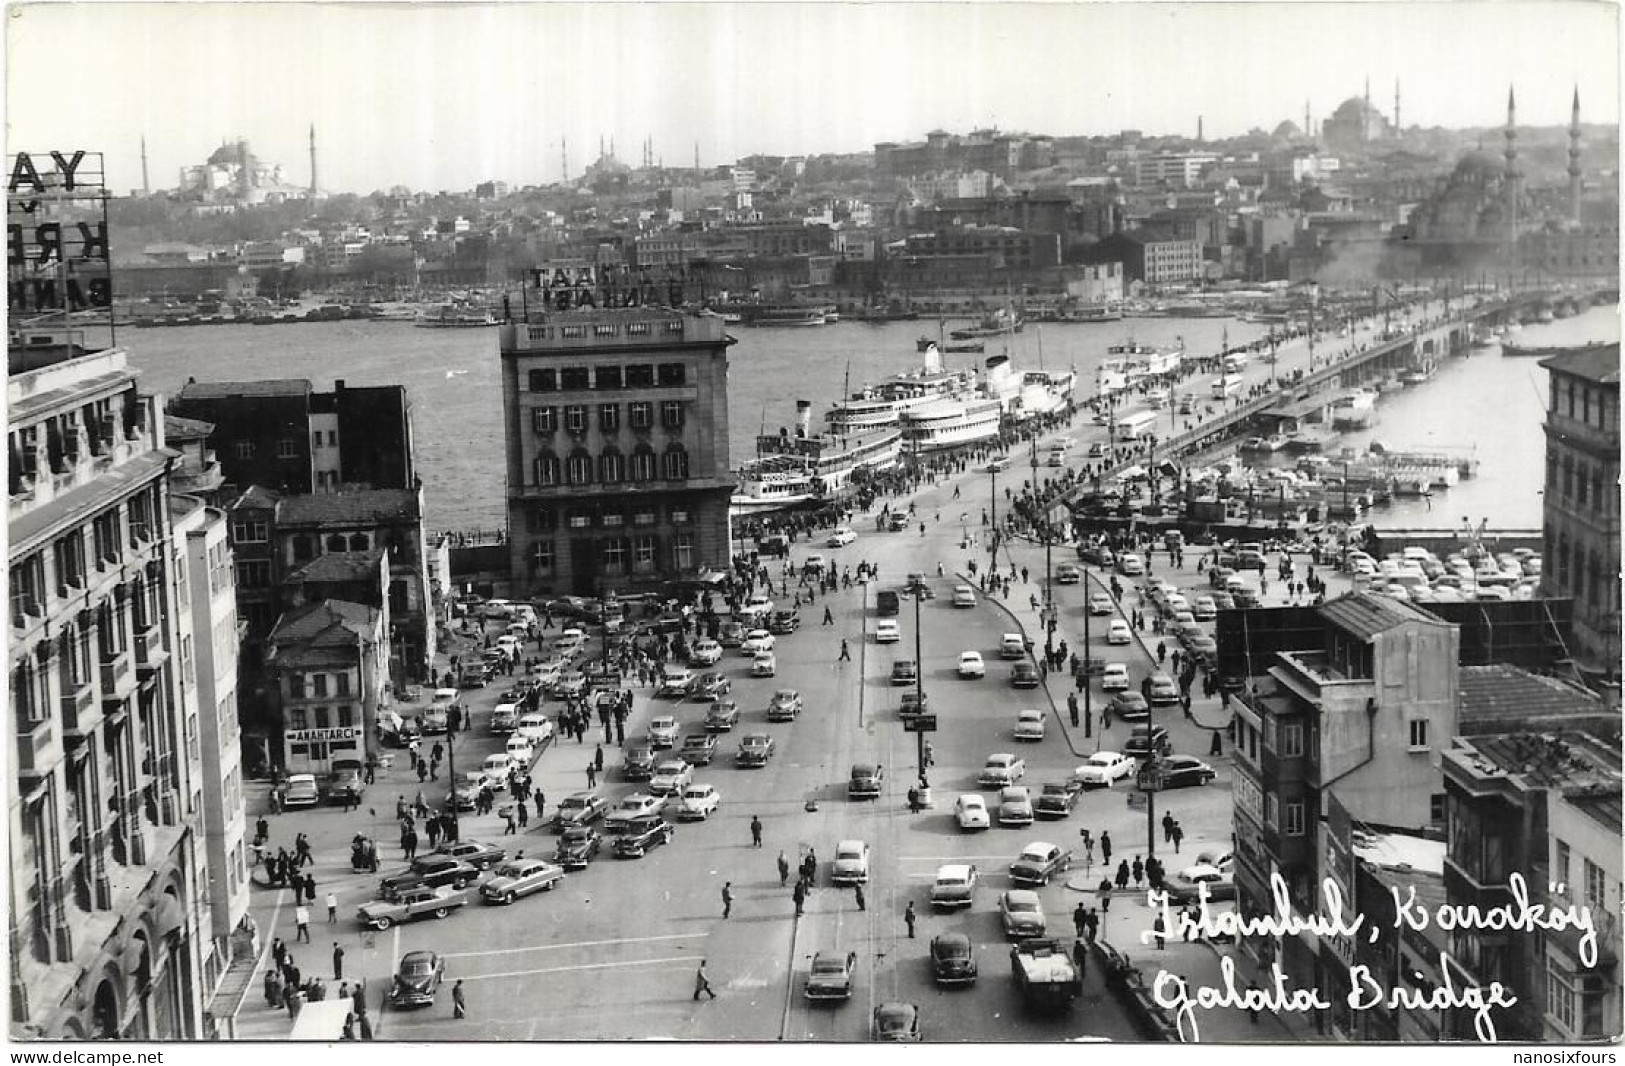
(1149, 258)
(328, 663)
(110, 924)
(1581, 500)
(616, 426)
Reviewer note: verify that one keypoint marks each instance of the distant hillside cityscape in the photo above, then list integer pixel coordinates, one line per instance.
(951, 223)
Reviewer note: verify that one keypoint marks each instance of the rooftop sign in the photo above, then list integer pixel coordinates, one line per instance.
(57, 259)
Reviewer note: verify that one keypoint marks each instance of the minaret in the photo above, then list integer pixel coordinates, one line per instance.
(1198, 129)
(1308, 130)
(1397, 125)
(1512, 175)
(313, 193)
(564, 159)
(1573, 161)
(1365, 113)
(146, 186)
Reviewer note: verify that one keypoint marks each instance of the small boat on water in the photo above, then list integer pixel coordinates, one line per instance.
(794, 317)
(1542, 350)
(456, 316)
(1264, 445)
(1097, 314)
(964, 348)
(998, 324)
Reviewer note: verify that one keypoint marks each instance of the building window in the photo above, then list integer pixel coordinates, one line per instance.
(578, 469)
(1294, 819)
(613, 521)
(641, 415)
(296, 686)
(285, 449)
(575, 418)
(640, 376)
(541, 558)
(643, 463)
(1418, 734)
(70, 561)
(580, 520)
(612, 467)
(1596, 896)
(676, 462)
(106, 531)
(547, 470)
(1271, 810)
(319, 684)
(683, 551)
(336, 543)
(643, 555)
(1436, 808)
(248, 531)
(254, 573)
(671, 414)
(643, 518)
(615, 556)
(1291, 739)
(346, 715)
(673, 375)
(544, 419)
(1560, 869)
(679, 516)
(245, 449)
(609, 377)
(544, 380)
(609, 417)
(1560, 1000)
(343, 683)
(575, 379)
(298, 719)
(539, 520)
(322, 720)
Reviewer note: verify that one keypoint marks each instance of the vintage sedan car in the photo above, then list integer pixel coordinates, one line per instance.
(814, 564)
(851, 865)
(1205, 608)
(970, 811)
(1129, 564)
(964, 596)
(1100, 603)
(704, 653)
(784, 623)
(1098, 554)
(895, 1023)
(521, 877)
(641, 835)
(955, 885)
(1102, 769)
(536, 728)
(722, 716)
(785, 706)
(698, 803)
(698, 749)
(671, 776)
(1024, 675)
(1055, 800)
(570, 683)
(1114, 678)
(577, 847)
(637, 760)
(1130, 706)
(754, 750)
(953, 959)
(764, 665)
(887, 631)
(476, 853)
(1029, 725)
(1163, 690)
(1188, 883)
(732, 634)
(1001, 769)
(1015, 807)
(1205, 648)
(675, 681)
(630, 808)
(1184, 771)
(840, 537)
(904, 672)
(831, 976)
(343, 786)
(662, 732)
(1022, 914)
(757, 607)
(1068, 574)
(417, 979)
(410, 904)
(1147, 740)
(865, 781)
(1119, 633)
(971, 665)
(757, 640)
(1038, 862)
(912, 702)
(709, 686)
(430, 871)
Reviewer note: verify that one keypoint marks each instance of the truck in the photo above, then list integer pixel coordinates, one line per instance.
(1045, 974)
(1136, 425)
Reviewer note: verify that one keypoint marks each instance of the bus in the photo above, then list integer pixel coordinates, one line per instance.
(1136, 425)
(1226, 385)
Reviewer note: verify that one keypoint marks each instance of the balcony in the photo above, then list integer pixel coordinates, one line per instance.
(80, 711)
(150, 653)
(37, 748)
(118, 678)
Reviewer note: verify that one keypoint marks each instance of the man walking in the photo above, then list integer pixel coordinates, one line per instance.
(829, 619)
(332, 902)
(908, 919)
(755, 831)
(857, 890)
(727, 898)
(1105, 848)
(592, 776)
(459, 1004)
(1177, 833)
(702, 983)
(301, 921)
(799, 894)
(338, 962)
(784, 870)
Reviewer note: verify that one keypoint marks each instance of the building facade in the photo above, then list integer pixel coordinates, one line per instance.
(109, 907)
(1581, 501)
(329, 664)
(616, 427)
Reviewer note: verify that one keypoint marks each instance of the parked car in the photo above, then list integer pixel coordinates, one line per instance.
(521, 877)
(417, 979)
(581, 808)
(1188, 883)
(344, 786)
(955, 885)
(1103, 769)
(577, 847)
(1038, 862)
(831, 976)
(953, 959)
(301, 790)
(1182, 771)
(1021, 913)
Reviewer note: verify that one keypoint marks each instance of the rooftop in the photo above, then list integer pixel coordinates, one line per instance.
(325, 624)
(1544, 760)
(256, 497)
(1365, 615)
(352, 507)
(215, 390)
(178, 429)
(1598, 363)
(339, 566)
(1510, 697)
(1601, 802)
(1401, 851)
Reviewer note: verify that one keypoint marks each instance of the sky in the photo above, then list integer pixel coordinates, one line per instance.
(441, 96)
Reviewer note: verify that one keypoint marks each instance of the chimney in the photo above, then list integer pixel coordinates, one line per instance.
(803, 417)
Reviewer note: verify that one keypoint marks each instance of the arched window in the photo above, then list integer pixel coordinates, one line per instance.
(643, 463)
(578, 468)
(676, 463)
(358, 542)
(547, 469)
(336, 542)
(612, 466)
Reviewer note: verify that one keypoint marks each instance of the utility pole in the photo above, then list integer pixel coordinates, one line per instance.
(993, 513)
(919, 684)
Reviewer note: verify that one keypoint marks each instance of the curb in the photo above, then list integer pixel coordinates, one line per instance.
(1043, 682)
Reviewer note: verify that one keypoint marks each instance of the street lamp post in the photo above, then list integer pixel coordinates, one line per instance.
(919, 684)
(993, 513)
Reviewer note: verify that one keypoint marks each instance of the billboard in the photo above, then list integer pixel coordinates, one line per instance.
(58, 268)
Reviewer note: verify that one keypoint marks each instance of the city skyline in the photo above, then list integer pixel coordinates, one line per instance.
(394, 111)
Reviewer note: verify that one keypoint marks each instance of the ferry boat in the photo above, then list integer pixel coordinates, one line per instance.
(950, 423)
(1354, 410)
(999, 323)
(790, 317)
(770, 484)
(455, 316)
(881, 405)
(1542, 350)
(1097, 314)
(830, 459)
(1143, 360)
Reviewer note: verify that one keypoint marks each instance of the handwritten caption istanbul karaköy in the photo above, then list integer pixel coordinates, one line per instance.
(1175, 993)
